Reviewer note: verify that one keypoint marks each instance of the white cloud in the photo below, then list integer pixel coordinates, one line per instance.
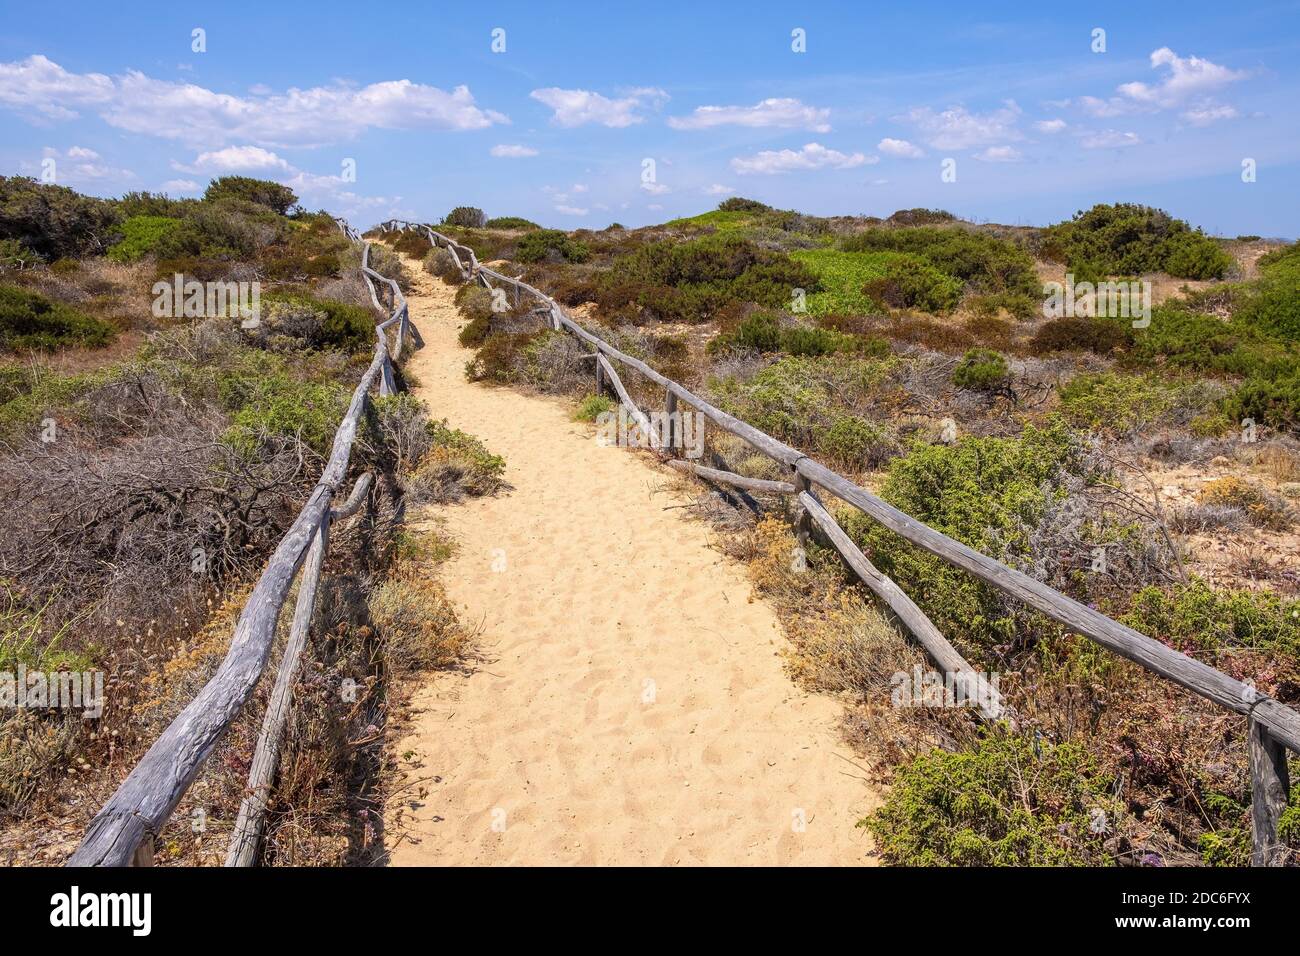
(1108, 139)
(812, 156)
(1102, 109)
(579, 187)
(1206, 115)
(717, 189)
(958, 128)
(785, 113)
(572, 210)
(655, 207)
(79, 164)
(180, 186)
(199, 116)
(240, 158)
(1050, 126)
(900, 147)
(1189, 78)
(1190, 82)
(655, 189)
(512, 151)
(999, 154)
(579, 107)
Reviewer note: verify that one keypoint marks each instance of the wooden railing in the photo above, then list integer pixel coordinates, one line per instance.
(124, 830)
(1272, 727)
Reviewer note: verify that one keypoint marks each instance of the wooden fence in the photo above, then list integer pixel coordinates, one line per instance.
(124, 830)
(1272, 727)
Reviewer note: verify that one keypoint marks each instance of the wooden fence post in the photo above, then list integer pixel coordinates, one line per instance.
(674, 430)
(1269, 790)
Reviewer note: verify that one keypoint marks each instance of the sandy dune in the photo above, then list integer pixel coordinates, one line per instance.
(631, 707)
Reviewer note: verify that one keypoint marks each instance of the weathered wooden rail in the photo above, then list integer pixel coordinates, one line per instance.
(1272, 727)
(124, 830)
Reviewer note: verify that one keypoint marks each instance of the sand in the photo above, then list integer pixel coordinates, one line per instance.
(630, 707)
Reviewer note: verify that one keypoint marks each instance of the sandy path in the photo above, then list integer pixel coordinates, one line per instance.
(631, 708)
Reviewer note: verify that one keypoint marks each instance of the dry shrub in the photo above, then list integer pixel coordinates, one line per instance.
(854, 650)
(417, 623)
(439, 262)
(1262, 507)
(1279, 462)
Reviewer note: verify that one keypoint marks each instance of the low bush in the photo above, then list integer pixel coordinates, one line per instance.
(1268, 400)
(55, 222)
(438, 262)
(984, 263)
(470, 217)
(262, 192)
(416, 622)
(1074, 334)
(991, 494)
(856, 443)
(1196, 617)
(1115, 404)
(693, 281)
(1129, 239)
(910, 282)
(1008, 801)
(593, 406)
(510, 222)
(159, 236)
(982, 370)
(1262, 507)
(30, 321)
(550, 245)
(347, 328)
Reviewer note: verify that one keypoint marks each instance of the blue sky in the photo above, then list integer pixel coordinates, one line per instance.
(560, 125)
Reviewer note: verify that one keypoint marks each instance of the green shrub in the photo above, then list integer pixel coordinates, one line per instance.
(277, 405)
(471, 217)
(982, 370)
(30, 321)
(760, 331)
(262, 192)
(1006, 802)
(348, 328)
(158, 236)
(910, 282)
(593, 406)
(921, 217)
(1117, 404)
(549, 245)
(510, 222)
(1268, 400)
(55, 222)
(1069, 334)
(1130, 239)
(856, 443)
(797, 397)
(763, 332)
(475, 331)
(692, 281)
(741, 204)
(988, 493)
(1196, 616)
(983, 262)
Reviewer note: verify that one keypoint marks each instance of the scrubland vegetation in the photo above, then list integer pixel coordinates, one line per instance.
(1151, 471)
(150, 464)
